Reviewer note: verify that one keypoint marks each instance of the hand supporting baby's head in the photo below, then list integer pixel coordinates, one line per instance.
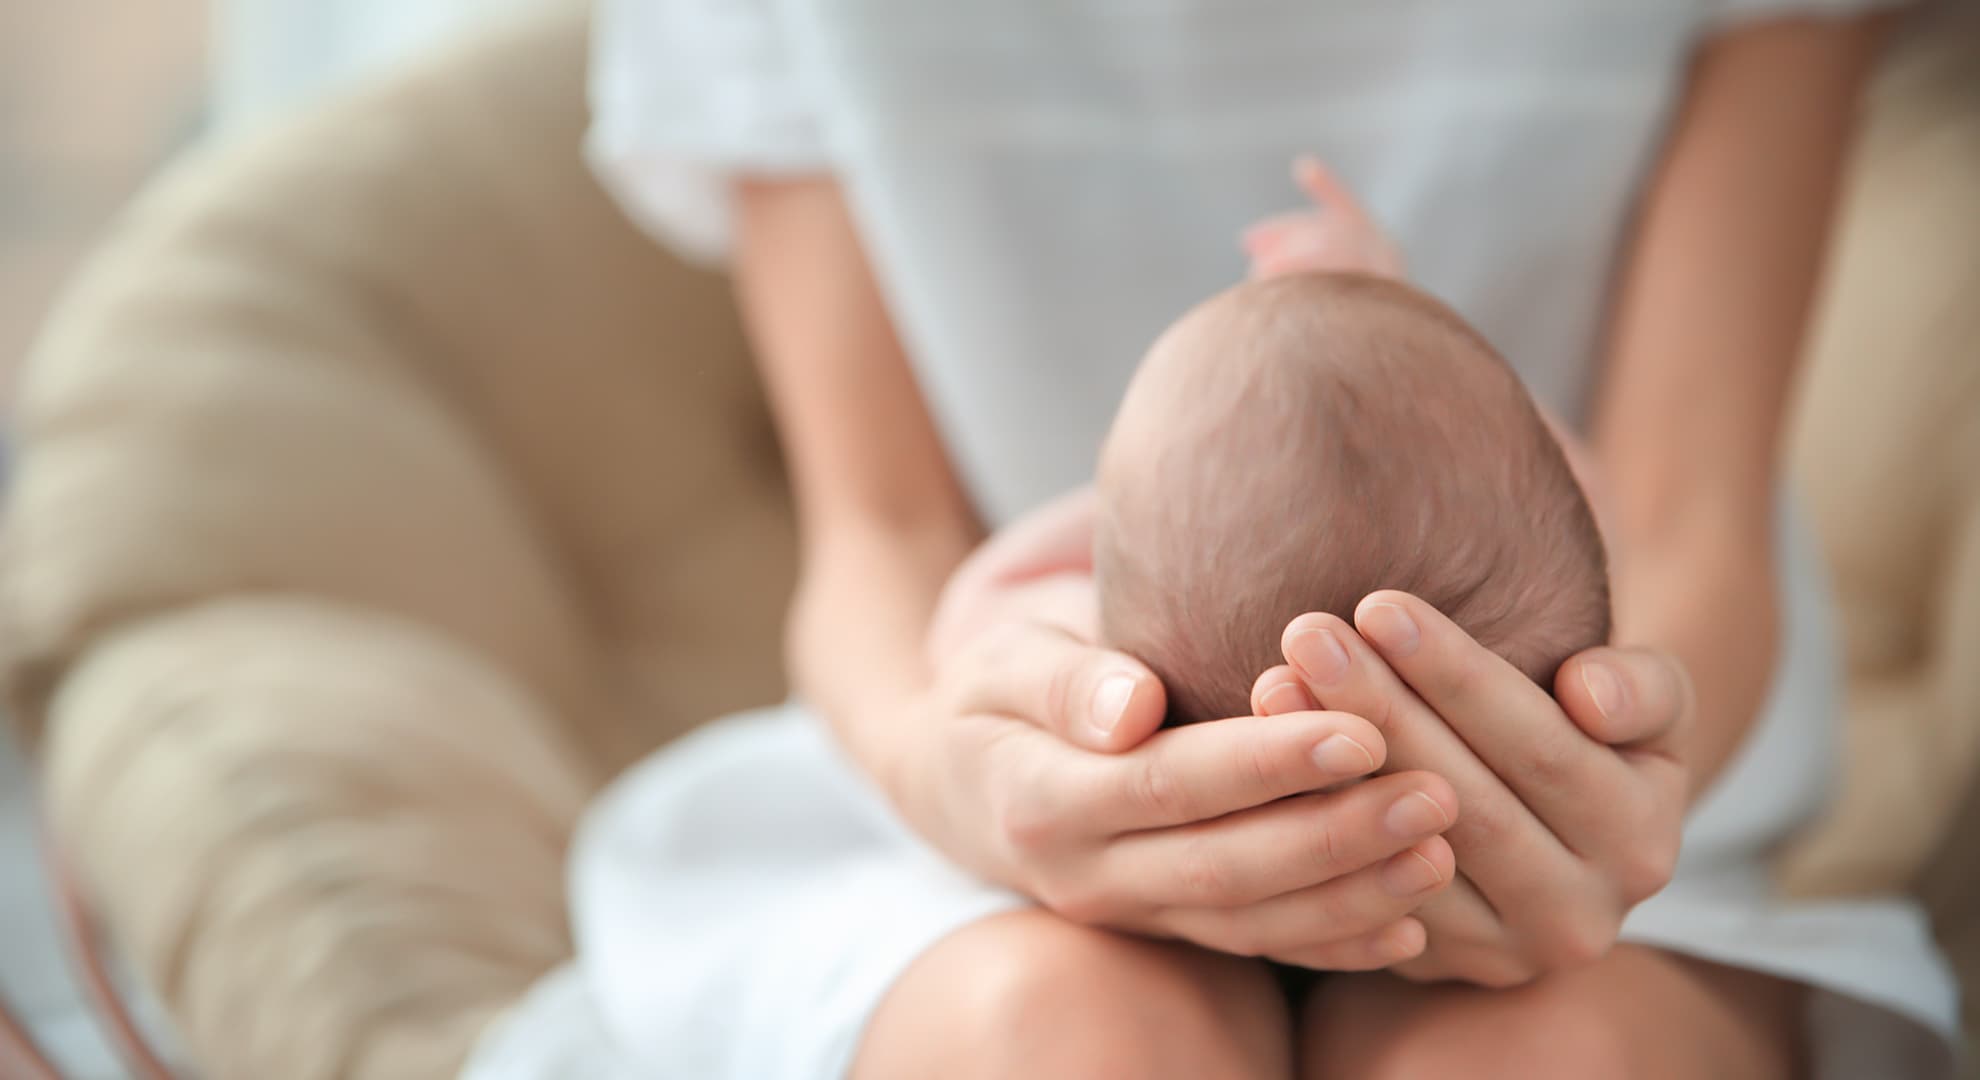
(1294, 444)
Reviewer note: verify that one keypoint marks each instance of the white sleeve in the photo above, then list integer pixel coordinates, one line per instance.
(1726, 14)
(686, 93)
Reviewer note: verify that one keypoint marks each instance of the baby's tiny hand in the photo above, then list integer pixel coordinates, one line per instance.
(1337, 234)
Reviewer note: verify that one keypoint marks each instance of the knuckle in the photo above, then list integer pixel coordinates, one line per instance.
(1265, 767)
(1504, 973)
(1155, 791)
(1203, 876)
(992, 646)
(1489, 822)
(1064, 700)
(1022, 823)
(1579, 940)
(1079, 903)
(1463, 681)
(1554, 765)
(1324, 847)
(1380, 710)
(1648, 868)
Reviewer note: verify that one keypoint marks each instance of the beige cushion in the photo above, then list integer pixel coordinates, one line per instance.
(383, 491)
(1887, 454)
(380, 492)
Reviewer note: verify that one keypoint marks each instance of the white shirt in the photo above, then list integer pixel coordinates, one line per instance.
(1042, 185)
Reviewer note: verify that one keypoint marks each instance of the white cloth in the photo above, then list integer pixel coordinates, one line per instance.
(1042, 186)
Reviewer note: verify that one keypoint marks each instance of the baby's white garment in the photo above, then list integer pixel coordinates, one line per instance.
(741, 902)
(1041, 186)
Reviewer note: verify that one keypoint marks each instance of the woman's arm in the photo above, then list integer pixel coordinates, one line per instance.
(882, 518)
(1707, 329)
(1563, 834)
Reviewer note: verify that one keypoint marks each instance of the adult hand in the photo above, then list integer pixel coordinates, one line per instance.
(1573, 804)
(1220, 834)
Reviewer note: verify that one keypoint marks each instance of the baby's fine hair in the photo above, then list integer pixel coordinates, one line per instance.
(1294, 444)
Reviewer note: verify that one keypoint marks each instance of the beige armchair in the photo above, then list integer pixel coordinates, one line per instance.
(381, 492)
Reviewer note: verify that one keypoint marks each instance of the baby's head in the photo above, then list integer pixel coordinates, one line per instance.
(1294, 444)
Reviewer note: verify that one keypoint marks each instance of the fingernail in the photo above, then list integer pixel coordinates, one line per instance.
(1603, 688)
(1410, 873)
(1110, 700)
(1294, 699)
(1391, 627)
(1338, 755)
(1319, 655)
(1416, 814)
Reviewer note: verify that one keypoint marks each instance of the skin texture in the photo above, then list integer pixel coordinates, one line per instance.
(1007, 757)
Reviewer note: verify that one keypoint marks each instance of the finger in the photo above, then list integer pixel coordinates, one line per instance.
(1393, 944)
(1190, 775)
(1502, 846)
(1279, 691)
(1281, 264)
(1348, 907)
(1290, 845)
(1319, 184)
(1582, 790)
(1468, 941)
(1628, 698)
(1378, 254)
(1495, 969)
(1459, 916)
(1259, 239)
(1091, 697)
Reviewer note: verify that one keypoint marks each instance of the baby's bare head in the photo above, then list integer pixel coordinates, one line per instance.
(1294, 444)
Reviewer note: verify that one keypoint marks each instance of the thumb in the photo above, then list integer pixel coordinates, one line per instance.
(1091, 697)
(1638, 699)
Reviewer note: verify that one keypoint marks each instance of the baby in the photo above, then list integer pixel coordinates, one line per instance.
(1304, 439)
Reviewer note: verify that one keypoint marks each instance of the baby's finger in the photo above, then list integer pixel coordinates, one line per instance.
(1290, 845)
(1344, 909)
(1395, 943)
(1320, 184)
(1279, 691)
(1260, 238)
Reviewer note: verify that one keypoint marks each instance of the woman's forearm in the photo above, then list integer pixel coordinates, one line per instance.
(1707, 331)
(857, 627)
(881, 516)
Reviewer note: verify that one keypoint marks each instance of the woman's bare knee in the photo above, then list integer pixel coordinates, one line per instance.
(1638, 1013)
(1379, 1027)
(1030, 995)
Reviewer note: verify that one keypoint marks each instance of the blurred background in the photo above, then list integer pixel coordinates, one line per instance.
(85, 115)
(95, 96)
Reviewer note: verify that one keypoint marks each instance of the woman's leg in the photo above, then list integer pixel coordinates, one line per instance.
(1637, 1013)
(1028, 994)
